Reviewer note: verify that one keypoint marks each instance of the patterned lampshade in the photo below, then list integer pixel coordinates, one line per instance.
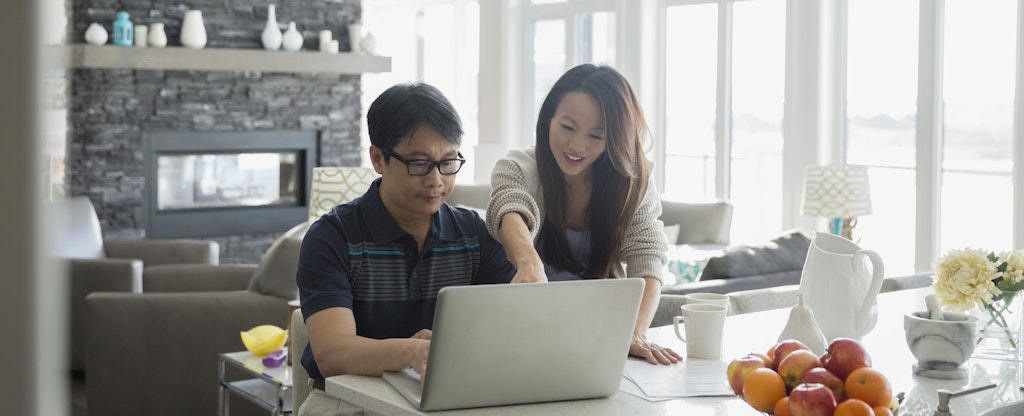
(836, 191)
(336, 185)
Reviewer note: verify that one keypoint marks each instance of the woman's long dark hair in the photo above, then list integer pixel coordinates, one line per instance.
(620, 174)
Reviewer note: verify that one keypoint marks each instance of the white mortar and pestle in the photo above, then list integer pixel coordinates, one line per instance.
(941, 342)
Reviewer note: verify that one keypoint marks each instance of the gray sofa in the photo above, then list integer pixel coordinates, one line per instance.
(777, 262)
(155, 353)
(753, 300)
(95, 264)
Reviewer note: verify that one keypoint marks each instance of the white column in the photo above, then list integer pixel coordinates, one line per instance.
(501, 92)
(929, 134)
(810, 126)
(1018, 142)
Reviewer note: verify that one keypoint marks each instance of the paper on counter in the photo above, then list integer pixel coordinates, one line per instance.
(628, 386)
(690, 378)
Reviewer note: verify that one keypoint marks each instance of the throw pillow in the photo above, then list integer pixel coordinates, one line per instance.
(275, 274)
(784, 253)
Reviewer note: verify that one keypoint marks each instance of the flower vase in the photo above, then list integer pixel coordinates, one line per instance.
(292, 38)
(193, 31)
(1000, 326)
(271, 36)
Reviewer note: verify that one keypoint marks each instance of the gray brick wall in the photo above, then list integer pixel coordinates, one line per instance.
(111, 109)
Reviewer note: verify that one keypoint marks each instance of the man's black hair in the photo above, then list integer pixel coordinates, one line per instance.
(403, 107)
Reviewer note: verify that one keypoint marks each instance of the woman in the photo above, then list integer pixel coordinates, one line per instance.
(579, 204)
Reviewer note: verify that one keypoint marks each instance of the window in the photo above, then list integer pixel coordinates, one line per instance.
(974, 102)
(881, 115)
(977, 161)
(724, 91)
(433, 41)
(559, 36)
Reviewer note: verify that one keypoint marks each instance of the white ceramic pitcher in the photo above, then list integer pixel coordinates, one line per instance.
(838, 287)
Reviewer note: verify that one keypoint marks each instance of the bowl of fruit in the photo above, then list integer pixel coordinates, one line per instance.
(791, 380)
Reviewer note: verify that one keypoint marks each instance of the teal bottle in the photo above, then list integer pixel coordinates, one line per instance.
(124, 30)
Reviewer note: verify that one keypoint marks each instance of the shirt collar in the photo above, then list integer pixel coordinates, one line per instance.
(386, 229)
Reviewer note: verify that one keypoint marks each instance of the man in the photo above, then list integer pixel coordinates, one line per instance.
(370, 270)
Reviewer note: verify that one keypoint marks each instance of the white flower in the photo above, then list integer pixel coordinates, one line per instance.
(1014, 272)
(964, 280)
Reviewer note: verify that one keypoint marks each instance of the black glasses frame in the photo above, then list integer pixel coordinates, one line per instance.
(429, 164)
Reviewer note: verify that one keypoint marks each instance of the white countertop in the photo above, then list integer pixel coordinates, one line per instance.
(744, 333)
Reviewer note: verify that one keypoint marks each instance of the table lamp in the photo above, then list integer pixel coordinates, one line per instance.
(336, 185)
(839, 192)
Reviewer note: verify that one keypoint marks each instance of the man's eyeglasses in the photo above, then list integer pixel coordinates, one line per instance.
(422, 167)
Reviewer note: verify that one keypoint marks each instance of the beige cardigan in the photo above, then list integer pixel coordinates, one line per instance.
(515, 187)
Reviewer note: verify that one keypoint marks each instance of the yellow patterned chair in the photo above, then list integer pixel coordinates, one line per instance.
(337, 185)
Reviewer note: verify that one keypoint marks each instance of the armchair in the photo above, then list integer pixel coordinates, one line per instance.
(155, 353)
(95, 264)
(701, 223)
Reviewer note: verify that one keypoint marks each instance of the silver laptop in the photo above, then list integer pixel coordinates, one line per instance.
(495, 345)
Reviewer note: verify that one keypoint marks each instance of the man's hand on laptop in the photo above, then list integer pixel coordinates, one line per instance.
(419, 352)
(654, 354)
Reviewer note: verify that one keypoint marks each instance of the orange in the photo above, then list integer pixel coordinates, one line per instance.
(883, 411)
(762, 388)
(782, 407)
(853, 407)
(869, 385)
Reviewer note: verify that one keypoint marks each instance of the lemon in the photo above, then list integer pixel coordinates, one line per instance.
(264, 339)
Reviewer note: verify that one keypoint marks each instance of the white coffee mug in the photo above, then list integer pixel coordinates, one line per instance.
(704, 327)
(708, 298)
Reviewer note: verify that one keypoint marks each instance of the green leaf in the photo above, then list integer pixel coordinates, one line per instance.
(1013, 288)
(992, 257)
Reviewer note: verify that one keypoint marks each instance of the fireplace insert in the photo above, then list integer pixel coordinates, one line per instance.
(204, 184)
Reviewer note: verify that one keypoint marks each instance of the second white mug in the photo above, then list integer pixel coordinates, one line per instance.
(705, 324)
(708, 298)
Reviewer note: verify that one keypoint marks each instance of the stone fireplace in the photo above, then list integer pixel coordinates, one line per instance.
(113, 111)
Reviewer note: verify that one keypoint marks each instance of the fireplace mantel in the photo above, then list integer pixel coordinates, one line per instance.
(220, 59)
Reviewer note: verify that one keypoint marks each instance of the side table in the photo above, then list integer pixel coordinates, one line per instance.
(268, 387)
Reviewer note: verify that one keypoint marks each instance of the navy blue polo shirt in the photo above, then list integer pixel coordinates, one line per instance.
(357, 257)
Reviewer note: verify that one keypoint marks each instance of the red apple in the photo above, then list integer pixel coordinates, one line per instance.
(844, 355)
(767, 360)
(812, 399)
(739, 368)
(784, 348)
(823, 376)
(793, 367)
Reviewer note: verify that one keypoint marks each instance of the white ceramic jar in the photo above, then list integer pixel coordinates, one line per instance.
(157, 36)
(96, 34)
(292, 39)
(193, 32)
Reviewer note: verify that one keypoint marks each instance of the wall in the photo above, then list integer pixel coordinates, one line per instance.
(111, 110)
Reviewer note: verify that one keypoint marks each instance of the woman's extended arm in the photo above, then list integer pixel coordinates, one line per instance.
(640, 347)
(521, 252)
(644, 247)
(513, 213)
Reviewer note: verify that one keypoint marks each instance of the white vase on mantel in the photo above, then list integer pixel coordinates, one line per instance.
(271, 36)
(193, 32)
(157, 36)
(369, 44)
(96, 34)
(292, 39)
